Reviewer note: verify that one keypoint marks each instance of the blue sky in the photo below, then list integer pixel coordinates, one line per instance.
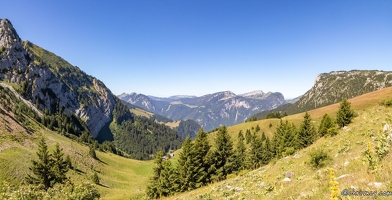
(166, 48)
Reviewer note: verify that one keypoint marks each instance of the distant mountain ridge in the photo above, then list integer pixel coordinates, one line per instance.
(330, 88)
(211, 110)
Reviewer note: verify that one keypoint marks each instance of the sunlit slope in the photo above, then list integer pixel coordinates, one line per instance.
(121, 178)
(346, 152)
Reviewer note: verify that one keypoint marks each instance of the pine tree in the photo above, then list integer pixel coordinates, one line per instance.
(307, 133)
(248, 136)
(199, 152)
(345, 114)
(91, 152)
(95, 178)
(153, 188)
(266, 151)
(240, 153)
(255, 154)
(168, 180)
(186, 167)
(257, 128)
(325, 125)
(42, 168)
(223, 156)
(285, 139)
(60, 166)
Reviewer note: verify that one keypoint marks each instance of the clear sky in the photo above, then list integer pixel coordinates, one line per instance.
(196, 47)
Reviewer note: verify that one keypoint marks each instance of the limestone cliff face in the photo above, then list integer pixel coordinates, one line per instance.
(52, 81)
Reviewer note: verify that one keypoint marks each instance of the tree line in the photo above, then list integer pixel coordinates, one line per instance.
(199, 163)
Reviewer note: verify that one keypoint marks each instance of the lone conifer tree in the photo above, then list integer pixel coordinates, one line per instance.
(42, 168)
(307, 133)
(60, 166)
(345, 114)
(326, 125)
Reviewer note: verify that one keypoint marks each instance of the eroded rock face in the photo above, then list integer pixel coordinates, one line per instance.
(49, 85)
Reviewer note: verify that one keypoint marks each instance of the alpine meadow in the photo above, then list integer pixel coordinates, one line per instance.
(185, 117)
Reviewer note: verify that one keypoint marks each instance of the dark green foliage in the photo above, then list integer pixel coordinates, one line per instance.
(168, 181)
(186, 167)
(153, 187)
(43, 167)
(278, 115)
(285, 138)
(255, 153)
(307, 133)
(327, 126)
(318, 158)
(248, 136)
(140, 137)
(223, 155)
(278, 112)
(387, 103)
(95, 178)
(188, 127)
(240, 153)
(91, 152)
(267, 151)
(257, 128)
(345, 114)
(68, 162)
(60, 166)
(199, 152)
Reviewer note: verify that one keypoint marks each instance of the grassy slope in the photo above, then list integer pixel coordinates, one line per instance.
(307, 182)
(121, 178)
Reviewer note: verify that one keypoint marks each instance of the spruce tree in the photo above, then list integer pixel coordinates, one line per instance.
(168, 180)
(240, 153)
(153, 188)
(307, 133)
(248, 136)
(325, 125)
(42, 168)
(345, 114)
(285, 139)
(267, 154)
(186, 167)
(223, 156)
(255, 154)
(60, 166)
(199, 152)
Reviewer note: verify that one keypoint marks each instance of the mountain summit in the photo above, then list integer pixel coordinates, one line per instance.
(57, 88)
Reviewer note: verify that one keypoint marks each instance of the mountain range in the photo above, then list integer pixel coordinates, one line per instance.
(211, 110)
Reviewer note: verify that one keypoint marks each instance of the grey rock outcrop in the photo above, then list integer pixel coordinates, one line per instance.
(19, 63)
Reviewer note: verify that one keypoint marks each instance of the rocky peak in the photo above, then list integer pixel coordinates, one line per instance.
(8, 35)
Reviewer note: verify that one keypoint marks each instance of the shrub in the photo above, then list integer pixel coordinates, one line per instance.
(318, 158)
(95, 178)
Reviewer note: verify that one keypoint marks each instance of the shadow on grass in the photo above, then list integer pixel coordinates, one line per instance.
(105, 186)
(79, 171)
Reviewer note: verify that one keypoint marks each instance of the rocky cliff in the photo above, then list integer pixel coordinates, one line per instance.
(49, 80)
